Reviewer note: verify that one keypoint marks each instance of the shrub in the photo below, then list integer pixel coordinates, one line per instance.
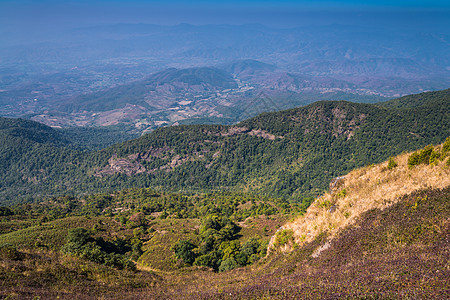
(81, 244)
(325, 204)
(434, 158)
(6, 211)
(212, 260)
(421, 157)
(342, 193)
(183, 250)
(283, 237)
(136, 250)
(228, 264)
(446, 147)
(392, 163)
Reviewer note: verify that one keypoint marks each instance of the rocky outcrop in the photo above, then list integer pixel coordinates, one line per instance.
(235, 130)
(264, 134)
(336, 183)
(124, 165)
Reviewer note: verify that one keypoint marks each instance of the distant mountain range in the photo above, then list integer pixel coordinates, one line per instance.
(290, 154)
(110, 69)
(161, 90)
(222, 95)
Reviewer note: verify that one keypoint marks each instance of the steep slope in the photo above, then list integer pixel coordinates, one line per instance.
(18, 137)
(417, 100)
(29, 130)
(373, 187)
(286, 153)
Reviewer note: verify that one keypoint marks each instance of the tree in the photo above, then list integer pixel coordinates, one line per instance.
(228, 264)
(183, 250)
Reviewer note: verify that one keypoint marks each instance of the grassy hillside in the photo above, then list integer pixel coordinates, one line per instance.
(290, 154)
(391, 248)
(373, 187)
(151, 221)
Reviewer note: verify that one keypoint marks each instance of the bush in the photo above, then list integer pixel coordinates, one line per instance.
(80, 243)
(213, 260)
(6, 211)
(251, 251)
(283, 237)
(183, 250)
(342, 193)
(77, 239)
(219, 247)
(228, 264)
(434, 158)
(446, 147)
(421, 157)
(392, 163)
(136, 250)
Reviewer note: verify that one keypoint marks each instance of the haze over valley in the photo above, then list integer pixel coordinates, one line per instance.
(147, 76)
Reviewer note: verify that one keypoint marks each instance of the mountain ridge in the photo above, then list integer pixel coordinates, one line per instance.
(290, 154)
(174, 96)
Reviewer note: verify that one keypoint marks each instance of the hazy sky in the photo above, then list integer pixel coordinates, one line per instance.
(34, 15)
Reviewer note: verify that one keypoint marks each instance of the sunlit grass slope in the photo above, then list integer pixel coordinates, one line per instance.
(374, 186)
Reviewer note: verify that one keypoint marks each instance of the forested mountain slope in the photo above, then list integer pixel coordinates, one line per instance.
(289, 154)
(417, 100)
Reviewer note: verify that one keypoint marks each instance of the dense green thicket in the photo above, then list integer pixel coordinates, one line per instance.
(417, 100)
(219, 248)
(290, 154)
(80, 243)
(96, 138)
(429, 154)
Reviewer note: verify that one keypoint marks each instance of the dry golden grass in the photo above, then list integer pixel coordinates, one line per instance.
(364, 189)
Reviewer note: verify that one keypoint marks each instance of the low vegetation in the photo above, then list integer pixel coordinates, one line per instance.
(147, 227)
(374, 186)
(392, 252)
(387, 223)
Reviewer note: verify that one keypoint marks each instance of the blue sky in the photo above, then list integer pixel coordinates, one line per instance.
(321, 4)
(283, 13)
